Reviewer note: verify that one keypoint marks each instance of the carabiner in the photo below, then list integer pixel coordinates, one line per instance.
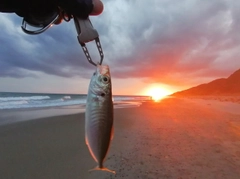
(87, 33)
(41, 26)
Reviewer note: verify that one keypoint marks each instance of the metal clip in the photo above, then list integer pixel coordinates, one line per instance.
(41, 26)
(87, 33)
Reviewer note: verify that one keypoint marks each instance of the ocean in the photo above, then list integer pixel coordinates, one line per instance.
(10, 100)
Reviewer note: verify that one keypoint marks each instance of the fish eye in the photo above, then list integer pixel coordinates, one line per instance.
(103, 94)
(94, 73)
(105, 79)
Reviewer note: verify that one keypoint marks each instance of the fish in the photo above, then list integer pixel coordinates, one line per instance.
(99, 116)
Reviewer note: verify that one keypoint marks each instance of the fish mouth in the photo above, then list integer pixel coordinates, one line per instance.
(103, 70)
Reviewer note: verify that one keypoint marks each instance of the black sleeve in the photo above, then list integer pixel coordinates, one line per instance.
(23, 7)
(80, 8)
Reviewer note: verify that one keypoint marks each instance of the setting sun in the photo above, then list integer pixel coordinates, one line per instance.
(158, 93)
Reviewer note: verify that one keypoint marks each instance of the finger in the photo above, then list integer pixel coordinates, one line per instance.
(97, 8)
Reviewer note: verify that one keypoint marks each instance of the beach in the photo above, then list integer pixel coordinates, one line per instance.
(175, 138)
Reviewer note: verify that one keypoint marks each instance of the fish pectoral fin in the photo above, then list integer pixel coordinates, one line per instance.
(102, 169)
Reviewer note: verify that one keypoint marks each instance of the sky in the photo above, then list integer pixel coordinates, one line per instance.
(171, 44)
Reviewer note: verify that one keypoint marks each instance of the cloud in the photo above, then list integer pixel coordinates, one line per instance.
(173, 42)
(55, 52)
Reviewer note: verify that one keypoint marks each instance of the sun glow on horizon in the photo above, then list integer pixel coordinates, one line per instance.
(157, 93)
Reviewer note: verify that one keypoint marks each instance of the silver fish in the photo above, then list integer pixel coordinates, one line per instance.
(99, 116)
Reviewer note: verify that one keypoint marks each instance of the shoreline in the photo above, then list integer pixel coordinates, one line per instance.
(9, 116)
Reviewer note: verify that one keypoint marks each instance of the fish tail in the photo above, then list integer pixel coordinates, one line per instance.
(102, 169)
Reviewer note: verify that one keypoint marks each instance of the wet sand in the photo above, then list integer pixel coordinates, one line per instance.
(174, 138)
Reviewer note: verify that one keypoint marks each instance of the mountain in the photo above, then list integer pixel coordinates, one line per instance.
(222, 86)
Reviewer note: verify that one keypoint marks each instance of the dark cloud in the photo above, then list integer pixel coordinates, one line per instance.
(174, 42)
(55, 52)
(184, 43)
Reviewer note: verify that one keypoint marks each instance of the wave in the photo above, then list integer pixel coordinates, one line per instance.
(22, 98)
(13, 103)
(66, 97)
(40, 103)
(53, 100)
(131, 98)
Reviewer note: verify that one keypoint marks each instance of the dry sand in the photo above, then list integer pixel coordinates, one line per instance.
(175, 139)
